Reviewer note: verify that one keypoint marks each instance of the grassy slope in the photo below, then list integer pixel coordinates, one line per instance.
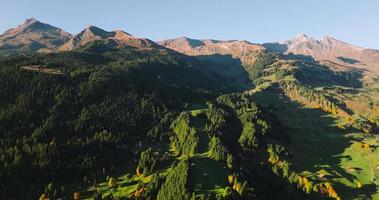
(363, 101)
(206, 175)
(126, 187)
(318, 144)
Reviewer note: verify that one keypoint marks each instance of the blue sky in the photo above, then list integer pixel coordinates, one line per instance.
(353, 21)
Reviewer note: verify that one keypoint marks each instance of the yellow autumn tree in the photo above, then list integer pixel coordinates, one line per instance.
(139, 171)
(237, 186)
(273, 159)
(330, 191)
(43, 197)
(139, 192)
(76, 196)
(112, 182)
(366, 145)
(229, 161)
(230, 179)
(359, 184)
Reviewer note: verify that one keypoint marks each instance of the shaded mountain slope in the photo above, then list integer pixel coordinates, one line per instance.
(228, 58)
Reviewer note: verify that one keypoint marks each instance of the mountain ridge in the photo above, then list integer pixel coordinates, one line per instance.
(35, 36)
(93, 33)
(329, 49)
(195, 47)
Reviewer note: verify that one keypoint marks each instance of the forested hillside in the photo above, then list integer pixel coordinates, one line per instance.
(148, 123)
(110, 120)
(89, 118)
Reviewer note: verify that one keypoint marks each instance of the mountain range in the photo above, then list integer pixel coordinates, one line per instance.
(35, 36)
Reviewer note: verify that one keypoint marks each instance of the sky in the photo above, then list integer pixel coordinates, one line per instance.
(258, 21)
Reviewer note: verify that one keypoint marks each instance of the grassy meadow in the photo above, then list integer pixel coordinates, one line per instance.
(324, 151)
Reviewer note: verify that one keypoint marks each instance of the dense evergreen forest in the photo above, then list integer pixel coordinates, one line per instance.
(85, 122)
(146, 124)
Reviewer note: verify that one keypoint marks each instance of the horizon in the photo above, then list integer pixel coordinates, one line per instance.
(301, 34)
(349, 22)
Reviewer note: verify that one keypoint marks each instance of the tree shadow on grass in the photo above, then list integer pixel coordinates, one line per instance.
(207, 175)
(365, 192)
(316, 142)
(199, 123)
(317, 75)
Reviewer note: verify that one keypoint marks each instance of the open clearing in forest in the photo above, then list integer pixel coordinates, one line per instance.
(37, 68)
(206, 175)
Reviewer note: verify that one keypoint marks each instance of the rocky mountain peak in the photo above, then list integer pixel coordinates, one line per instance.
(31, 21)
(96, 31)
(302, 36)
(33, 35)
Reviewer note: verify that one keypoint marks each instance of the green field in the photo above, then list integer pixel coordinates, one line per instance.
(323, 151)
(207, 176)
(127, 185)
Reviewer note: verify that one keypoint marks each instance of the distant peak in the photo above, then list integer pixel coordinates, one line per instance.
(184, 38)
(330, 38)
(97, 31)
(93, 28)
(31, 25)
(244, 41)
(31, 21)
(302, 35)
